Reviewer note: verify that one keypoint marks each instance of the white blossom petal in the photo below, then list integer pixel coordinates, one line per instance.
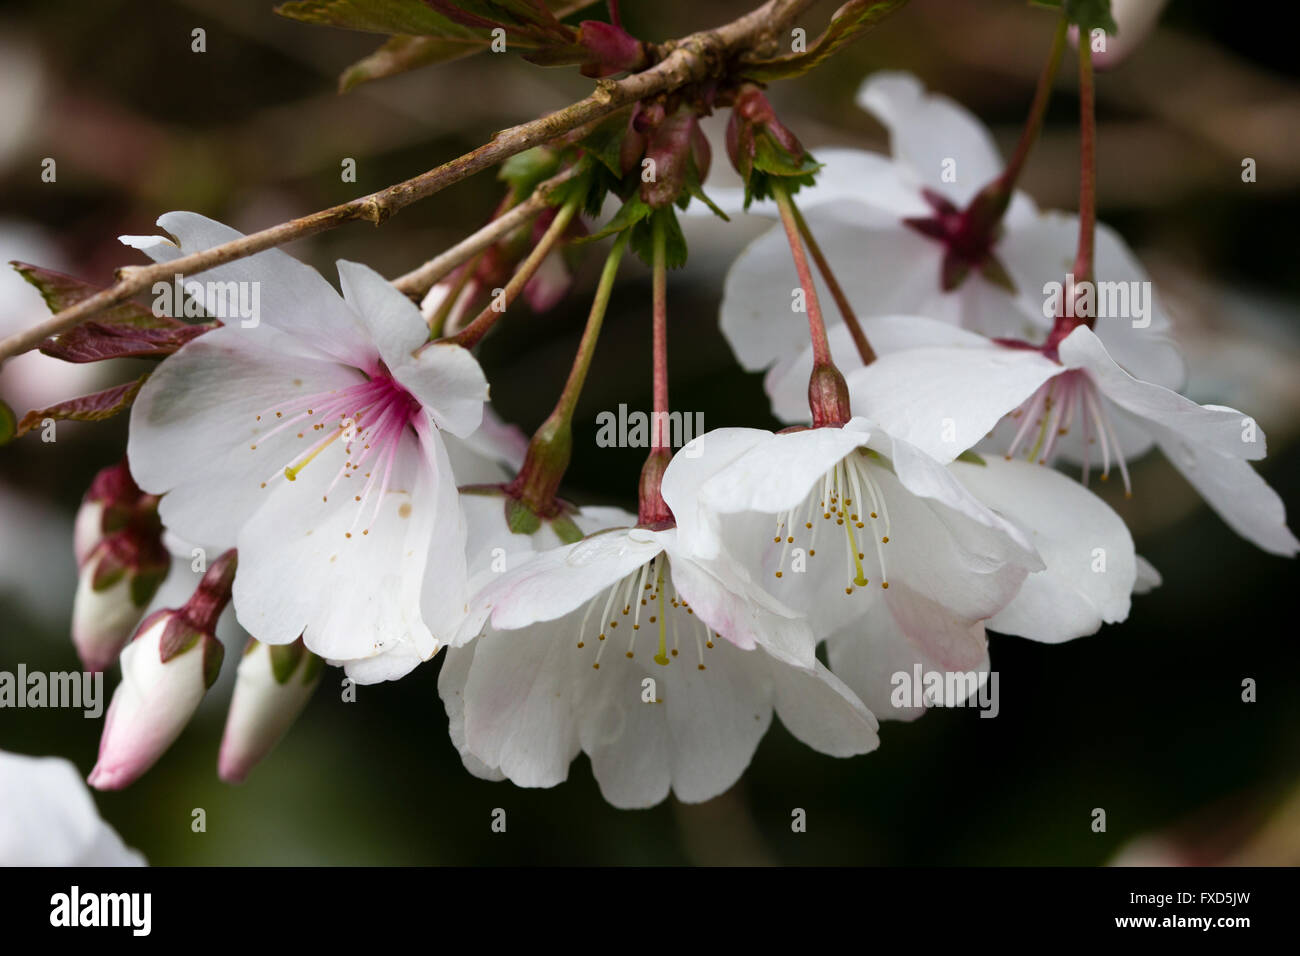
(195, 423)
(293, 297)
(50, 818)
(1088, 551)
(931, 134)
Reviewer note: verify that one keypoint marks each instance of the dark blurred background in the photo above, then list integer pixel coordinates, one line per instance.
(1144, 719)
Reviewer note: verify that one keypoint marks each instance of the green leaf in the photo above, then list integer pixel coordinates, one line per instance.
(695, 191)
(605, 142)
(771, 163)
(632, 212)
(523, 171)
(87, 408)
(847, 23)
(588, 188)
(642, 238)
(971, 458)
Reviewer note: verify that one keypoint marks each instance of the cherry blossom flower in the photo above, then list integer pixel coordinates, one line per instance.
(1068, 398)
(313, 441)
(50, 818)
(839, 520)
(1079, 589)
(664, 667)
(887, 227)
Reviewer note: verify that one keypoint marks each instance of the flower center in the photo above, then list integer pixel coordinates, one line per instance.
(965, 235)
(649, 587)
(369, 418)
(1050, 413)
(850, 497)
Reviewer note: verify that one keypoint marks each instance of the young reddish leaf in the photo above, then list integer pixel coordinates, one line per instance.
(422, 36)
(87, 408)
(62, 291)
(95, 341)
(126, 330)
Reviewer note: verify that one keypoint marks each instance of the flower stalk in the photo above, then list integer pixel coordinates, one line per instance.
(1037, 110)
(473, 333)
(1083, 262)
(828, 394)
(652, 510)
(865, 351)
(552, 444)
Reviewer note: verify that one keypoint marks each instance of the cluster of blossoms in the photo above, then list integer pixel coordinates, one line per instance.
(370, 512)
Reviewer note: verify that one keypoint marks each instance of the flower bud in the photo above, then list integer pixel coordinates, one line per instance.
(272, 686)
(166, 669)
(755, 137)
(87, 529)
(117, 581)
(611, 48)
(672, 148)
(828, 396)
(107, 507)
(652, 510)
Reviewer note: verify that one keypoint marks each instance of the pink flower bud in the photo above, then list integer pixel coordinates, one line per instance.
(752, 118)
(87, 530)
(116, 583)
(166, 669)
(670, 148)
(272, 686)
(107, 506)
(612, 49)
(118, 543)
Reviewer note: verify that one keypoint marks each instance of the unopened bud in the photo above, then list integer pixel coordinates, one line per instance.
(87, 530)
(272, 686)
(670, 147)
(612, 49)
(652, 510)
(107, 506)
(755, 134)
(828, 396)
(116, 583)
(166, 669)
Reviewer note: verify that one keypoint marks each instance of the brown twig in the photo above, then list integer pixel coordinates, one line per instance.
(419, 281)
(691, 59)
